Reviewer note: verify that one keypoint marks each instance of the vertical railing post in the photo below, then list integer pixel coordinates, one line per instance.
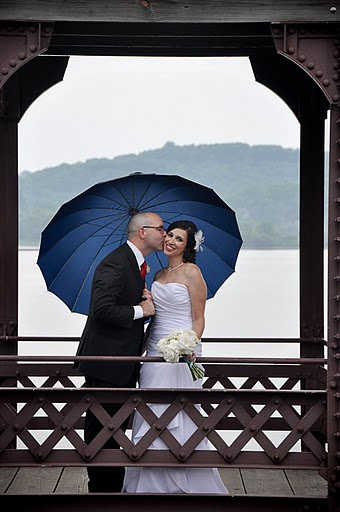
(9, 99)
(333, 381)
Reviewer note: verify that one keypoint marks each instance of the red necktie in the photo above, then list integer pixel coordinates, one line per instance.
(143, 270)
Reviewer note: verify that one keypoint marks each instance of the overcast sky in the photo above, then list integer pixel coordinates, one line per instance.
(109, 106)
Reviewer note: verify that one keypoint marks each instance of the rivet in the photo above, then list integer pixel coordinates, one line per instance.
(39, 455)
(17, 373)
(21, 28)
(336, 97)
(318, 73)
(16, 426)
(4, 71)
(158, 426)
(325, 82)
(21, 55)
(302, 58)
(134, 455)
(32, 48)
(291, 30)
(276, 457)
(182, 400)
(58, 373)
(332, 385)
(291, 50)
(276, 401)
(87, 399)
(181, 455)
(135, 400)
(300, 429)
(336, 54)
(335, 77)
(229, 400)
(63, 426)
(12, 63)
(252, 428)
(336, 65)
(40, 399)
(228, 456)
(33, 28)
(205, 428)
(332, 10)
(111, 426)
(310, 65)
(87, 455)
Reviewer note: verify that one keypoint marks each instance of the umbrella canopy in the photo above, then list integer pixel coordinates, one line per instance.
(88, 227)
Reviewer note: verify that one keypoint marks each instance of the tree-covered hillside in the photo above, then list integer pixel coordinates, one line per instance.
(261, 183)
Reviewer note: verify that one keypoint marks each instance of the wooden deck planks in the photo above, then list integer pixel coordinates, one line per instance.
(232, 479)
(266, 482)
(35, 480)
(6, 477)
(306, 482)
(73, 480)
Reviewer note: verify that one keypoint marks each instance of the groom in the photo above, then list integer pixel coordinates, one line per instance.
(115, 327)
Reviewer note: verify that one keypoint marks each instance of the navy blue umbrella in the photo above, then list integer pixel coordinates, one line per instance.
(88, 227)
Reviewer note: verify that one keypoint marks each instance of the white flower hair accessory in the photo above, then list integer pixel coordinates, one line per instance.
(199, 239)
(147, 269)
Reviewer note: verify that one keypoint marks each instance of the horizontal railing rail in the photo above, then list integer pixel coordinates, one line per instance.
(204, 340)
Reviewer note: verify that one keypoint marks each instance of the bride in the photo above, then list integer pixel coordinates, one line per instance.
(179, 293)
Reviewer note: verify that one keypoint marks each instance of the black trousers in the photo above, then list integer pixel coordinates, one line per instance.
(103, 479)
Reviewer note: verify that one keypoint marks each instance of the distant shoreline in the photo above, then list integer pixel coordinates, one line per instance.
(31, 248)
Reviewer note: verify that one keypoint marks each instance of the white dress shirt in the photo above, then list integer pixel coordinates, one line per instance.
(140, 258)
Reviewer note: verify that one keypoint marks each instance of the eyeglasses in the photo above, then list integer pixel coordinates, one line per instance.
(159, 228)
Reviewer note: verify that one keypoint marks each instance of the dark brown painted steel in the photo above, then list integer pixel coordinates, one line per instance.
(209, 11)
(315, 49)
(333, 381)
(156, 502)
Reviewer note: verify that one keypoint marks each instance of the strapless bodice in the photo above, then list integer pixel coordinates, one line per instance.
(173, 311)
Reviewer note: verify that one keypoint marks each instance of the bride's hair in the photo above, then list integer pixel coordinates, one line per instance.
(189, 254)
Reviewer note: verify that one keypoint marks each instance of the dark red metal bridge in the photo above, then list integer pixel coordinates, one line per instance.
(294, 49)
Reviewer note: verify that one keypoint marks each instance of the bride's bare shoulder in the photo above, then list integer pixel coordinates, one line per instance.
(192, 270)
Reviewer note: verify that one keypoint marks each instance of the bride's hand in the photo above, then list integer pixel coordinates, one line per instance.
(146, 294)
(191, 357)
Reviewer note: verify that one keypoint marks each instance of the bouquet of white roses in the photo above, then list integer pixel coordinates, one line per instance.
(177, 345)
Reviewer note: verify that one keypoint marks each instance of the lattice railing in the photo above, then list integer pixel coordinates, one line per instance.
(232, 417)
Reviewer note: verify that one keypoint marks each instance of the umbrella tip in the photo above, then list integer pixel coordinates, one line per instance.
(132, 211)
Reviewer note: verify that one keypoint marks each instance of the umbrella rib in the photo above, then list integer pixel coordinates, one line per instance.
(78, 248)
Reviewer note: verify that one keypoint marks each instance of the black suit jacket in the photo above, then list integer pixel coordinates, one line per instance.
(110, 329)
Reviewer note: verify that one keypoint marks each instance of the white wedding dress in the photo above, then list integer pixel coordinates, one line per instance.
(173, 310)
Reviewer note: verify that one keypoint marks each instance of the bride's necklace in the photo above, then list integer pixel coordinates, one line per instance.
(170, 269)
